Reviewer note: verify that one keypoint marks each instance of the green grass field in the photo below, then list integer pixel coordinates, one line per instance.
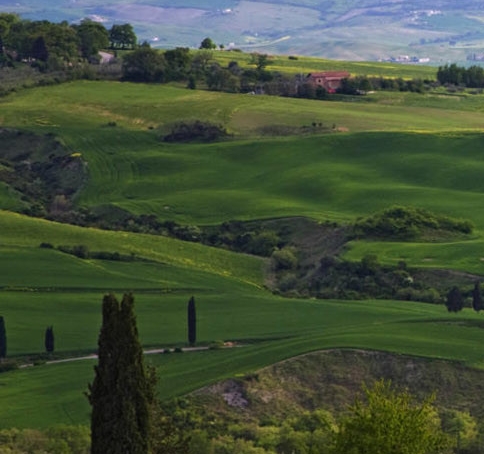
(389, 148)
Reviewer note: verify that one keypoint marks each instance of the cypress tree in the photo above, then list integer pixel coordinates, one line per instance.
(121, 394)
(477, 297)
(49, 339)
(192, 322)
(3, 339)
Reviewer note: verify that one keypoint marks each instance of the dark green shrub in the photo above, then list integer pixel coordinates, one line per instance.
(201, 131)
(8, 365)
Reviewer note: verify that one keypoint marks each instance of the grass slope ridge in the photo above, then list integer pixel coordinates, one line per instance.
(18, 230)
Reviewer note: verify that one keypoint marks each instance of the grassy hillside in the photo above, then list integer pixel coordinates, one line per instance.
(386, 148)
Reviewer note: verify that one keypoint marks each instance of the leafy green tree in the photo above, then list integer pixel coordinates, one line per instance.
(122, 36)
(144, 65)
(454, 300)
(93, 37)
(390, 422)
(3, 339)
(463, 427)
(49, 339)
(477, 297)
(200, 62)
(178, 63)
(192, 321)
(217, 78)
(6, 20)
(122, 393)
(207, 43)
(260, 61)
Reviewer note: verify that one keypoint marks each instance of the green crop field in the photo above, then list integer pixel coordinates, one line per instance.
(421, 150)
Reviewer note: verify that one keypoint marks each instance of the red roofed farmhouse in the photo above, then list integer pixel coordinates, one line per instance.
(329, 80)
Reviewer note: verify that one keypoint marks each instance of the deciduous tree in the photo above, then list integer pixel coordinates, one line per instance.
(207, 43)
(93, 37)
(121, 395)
(122, 36)
(455, 300)
(390, 422)
(144, 65)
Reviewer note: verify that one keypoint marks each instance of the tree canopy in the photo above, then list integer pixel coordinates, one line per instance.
(122, 36)
(390, 422)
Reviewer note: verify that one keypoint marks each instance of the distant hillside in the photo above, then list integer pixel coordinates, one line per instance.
(434, 32)
(331, 379)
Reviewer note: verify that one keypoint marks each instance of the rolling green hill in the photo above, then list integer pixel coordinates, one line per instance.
(420, 150)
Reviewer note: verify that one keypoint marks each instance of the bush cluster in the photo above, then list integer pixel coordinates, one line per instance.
(196, 131)
(400, 222)
(82, 251)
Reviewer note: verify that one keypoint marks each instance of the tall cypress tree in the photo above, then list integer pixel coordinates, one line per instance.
(3, 339)
(192, 321)
(121, 393)
(477, 297)
(49, 339)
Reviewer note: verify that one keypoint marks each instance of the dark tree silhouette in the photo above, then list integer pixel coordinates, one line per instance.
(477, 297)
(49, 339)
(207, 43)
(3, 339)
(122, 392)
(455, 300)
(192, 322)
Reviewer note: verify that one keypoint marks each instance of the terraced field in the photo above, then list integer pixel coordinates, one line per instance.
(417, 150)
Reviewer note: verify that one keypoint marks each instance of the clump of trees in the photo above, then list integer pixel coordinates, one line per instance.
(387, 421)
(472, 77)
(343, 279)
(54, 46)
(360, 85)
(65, 439)
(401, 222)
(196, 131)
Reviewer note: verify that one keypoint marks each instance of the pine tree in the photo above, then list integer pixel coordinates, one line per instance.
(477, 297)
(3, 339)
(49, 339)
(192, 322)
(121, 394)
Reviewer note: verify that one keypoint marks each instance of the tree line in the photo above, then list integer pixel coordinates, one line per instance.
(472, 77)
(53, 46)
